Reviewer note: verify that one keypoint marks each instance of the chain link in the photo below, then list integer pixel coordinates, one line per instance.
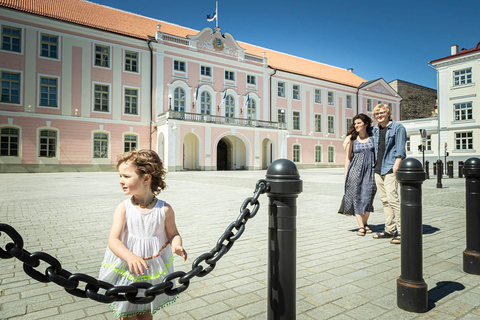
(70, 282)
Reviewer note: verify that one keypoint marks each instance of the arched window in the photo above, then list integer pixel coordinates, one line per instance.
(318, 154)
(206, 102)
(10, 139)
(130, 142)
(331, 154)
(179, 100)
(229, 106)
(251, 112)
(296, 153)
(48, 144)
(100, 145)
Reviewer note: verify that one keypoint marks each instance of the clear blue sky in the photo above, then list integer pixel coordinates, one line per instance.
(378, 39)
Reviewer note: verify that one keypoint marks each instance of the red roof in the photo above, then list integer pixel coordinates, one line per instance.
(130, 24)
(461, 53)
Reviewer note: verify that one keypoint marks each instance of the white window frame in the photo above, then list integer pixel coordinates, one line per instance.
(180, 64)
(109, 97)
(298, 158)
(206, 67)
(39, 145)
(249, 80)
(22, 36)
(39, 80)
(318, 116)
(332, 148)
(369, 105)
(408, 144)
(348, 122)
(296, 92)
(318, 96)
(124, 100)
(463, 77)
(206, 104)
(283, 112)
(331, 102)
(125, 52)
(319, 146)
(294, 116)
(137, 136)
(333, 124)
(230, 73)
(464, 141)
(349, 102)
(281, 89)
(20, 91)
(59, 46)
(19, 141)
(457, 111)
(100, 159)
(110, 60)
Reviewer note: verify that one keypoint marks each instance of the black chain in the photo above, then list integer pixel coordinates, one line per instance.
(70, 282)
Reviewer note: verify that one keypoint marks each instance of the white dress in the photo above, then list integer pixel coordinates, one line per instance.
(144, 234)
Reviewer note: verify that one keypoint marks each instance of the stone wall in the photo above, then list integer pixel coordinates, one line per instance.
(418, 101)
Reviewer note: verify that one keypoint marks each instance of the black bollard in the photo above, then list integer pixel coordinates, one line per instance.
(450, 169)
(460, 167)
(427, 169)
(284, 187)
(412, 294)
(434, 168)
(439, 173)
(471, 255)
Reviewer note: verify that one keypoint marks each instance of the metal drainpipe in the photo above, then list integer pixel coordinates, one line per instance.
(438, 111)
(151, 90)
(274, 72)
(358, 89)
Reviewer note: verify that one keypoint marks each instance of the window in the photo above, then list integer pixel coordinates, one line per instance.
(349, 102)
(296, 92)
(379, 102)
(331, 98)
(318, 154)
(281, 89)
(390, 105)
(318, 123)
(48, 92)
(464, 141)
(463, 111)
(179, 66)
(131, 101)
(349, 123)
(11, 39)
(296, 153)
(102, 56)
(369, 105)
(331, 154)
(461, 77)
(205, 102)
(49, 46)
(331, 124)
(101, 98)
(429, 142)
(100, 145)
(229, 75)
(131, 61)
(251, 79)
(9, 139)
(206, 71)
(10, 87)
(251, 109)
(229, 106)
(281, 115)
(408, 144)
(296, 120)
(130, 142)
(318, 96)
(179, 100)
(48, 144)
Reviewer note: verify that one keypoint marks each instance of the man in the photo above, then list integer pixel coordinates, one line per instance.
(390, 138)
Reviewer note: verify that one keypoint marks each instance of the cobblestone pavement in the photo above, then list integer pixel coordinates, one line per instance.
(339, 274)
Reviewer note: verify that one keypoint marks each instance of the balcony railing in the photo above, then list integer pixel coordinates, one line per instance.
(206, 118)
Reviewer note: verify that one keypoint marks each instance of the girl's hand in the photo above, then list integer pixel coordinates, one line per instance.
(135, 263)
(179, 251)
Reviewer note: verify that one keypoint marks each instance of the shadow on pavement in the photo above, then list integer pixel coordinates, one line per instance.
(443, 289)
(428, 229)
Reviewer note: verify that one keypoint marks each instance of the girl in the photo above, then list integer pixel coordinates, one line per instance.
(144, 236)
(360, 185)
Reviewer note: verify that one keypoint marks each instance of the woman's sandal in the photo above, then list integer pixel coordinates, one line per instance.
(382, 235)
(360, 232)
(396, 240)
(367, 229)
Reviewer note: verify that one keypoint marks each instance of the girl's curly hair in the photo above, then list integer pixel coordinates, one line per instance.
(366, 120)
(147, 162)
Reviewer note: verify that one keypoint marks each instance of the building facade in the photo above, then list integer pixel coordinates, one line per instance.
(83, 83)
(455, 134)
(417, 101)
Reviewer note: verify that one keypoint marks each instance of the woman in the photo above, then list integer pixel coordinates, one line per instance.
(360, 185)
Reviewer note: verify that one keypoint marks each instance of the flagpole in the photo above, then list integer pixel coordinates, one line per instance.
(216, 10)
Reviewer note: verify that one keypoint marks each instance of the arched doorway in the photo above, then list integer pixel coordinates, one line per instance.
(231, 154)
(267, 153)
(190, 152)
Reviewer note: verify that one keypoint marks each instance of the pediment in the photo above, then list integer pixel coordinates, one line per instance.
(213, 40)
(379, 86)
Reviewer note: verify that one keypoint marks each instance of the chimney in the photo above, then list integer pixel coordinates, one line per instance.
(350, 69)
(454, 49)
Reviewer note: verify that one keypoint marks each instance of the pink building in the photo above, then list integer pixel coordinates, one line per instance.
(83, 83)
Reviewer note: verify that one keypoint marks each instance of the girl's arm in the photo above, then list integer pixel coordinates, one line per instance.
(135, 263)
(348, 156)
(172, 233)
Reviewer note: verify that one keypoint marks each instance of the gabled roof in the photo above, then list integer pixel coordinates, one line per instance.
(462, 52)
(118, 21)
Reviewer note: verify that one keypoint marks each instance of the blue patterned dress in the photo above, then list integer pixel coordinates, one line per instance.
(360, 187)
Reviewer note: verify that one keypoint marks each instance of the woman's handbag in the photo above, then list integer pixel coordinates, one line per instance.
(342, 206)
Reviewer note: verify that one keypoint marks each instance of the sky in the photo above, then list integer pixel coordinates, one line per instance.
(378, 39)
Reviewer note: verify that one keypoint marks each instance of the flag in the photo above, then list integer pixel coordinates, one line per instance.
(195, 94)
(211, 17)
(246, 101)
(224, 96)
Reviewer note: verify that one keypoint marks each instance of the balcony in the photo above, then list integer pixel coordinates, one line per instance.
(195, 117)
